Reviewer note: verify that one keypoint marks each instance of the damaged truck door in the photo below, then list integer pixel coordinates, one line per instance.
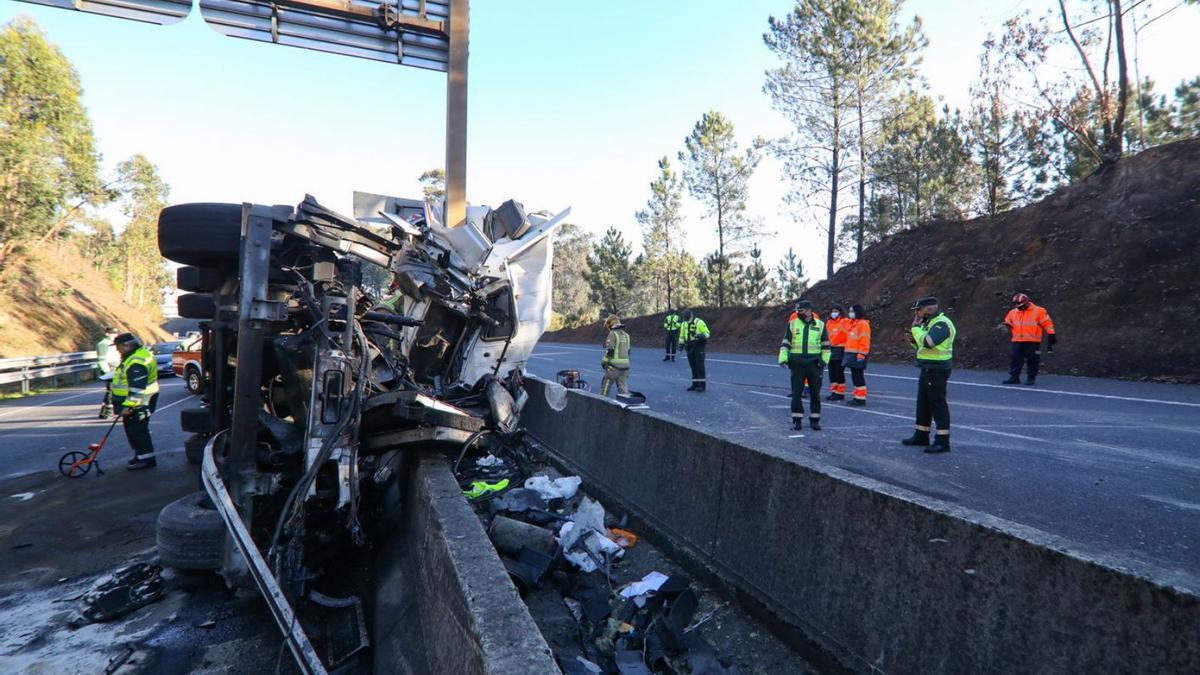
(318, 386)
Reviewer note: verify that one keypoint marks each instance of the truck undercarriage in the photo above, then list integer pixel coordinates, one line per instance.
(320, 387)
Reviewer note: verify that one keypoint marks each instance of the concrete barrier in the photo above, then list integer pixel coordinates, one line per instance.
(444, 602)
(879, 578)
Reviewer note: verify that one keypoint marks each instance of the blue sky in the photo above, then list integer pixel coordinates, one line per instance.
(571, 103)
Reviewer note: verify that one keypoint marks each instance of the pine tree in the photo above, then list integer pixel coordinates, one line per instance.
(662, 232)
(146, 274)
(610, 273)
(761, 288)
(717, 174)
(433, 184)
(792, 281)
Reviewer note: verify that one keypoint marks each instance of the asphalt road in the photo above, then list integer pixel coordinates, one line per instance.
(59, 535)
(1110, 467)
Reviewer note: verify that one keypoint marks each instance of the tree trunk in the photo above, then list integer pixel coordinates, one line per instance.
(835, 172)
(720, 253)
(1115, 145)
(862, 175)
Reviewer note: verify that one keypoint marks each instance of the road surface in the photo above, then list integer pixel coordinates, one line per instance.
(1111, 467)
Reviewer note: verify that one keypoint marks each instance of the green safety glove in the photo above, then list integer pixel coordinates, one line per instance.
(480, 488)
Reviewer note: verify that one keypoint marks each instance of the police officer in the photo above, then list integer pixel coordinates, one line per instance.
(933, 335)
(693, 335)
(135, 394)
(671, 326)
(805, 351)
(616, 358)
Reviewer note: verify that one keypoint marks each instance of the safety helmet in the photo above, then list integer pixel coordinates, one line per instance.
(686, 315)
(1020, 299)
(803, 304)
(612, 320)
(127, 339)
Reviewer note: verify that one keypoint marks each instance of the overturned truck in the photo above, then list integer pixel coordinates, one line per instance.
(333, 351)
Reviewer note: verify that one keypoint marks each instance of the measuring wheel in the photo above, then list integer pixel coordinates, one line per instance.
(69, 465)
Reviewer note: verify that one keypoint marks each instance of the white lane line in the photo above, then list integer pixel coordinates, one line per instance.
(23, 408)
(1034, 390)
(1161, 500)
(544, 354)
(908, 417)
(172, 404)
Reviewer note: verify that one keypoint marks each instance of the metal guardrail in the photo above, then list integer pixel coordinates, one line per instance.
(25, 369)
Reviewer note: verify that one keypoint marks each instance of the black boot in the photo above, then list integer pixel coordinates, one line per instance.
(797, 424)
(667, 357)
(139, 464)
(857, 402)
(918, 438)
(814, 423)
(940, 444)
(1012, 380)
(1030, 382)
(835, 397)
(702, 386)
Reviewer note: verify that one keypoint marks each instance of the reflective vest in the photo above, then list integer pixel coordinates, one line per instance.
(616, 349)
(804, 339)
(1027, 324)
(690, 331)
(107, 357)
(940, 352)
(135, 397)
(858, 336)
(671, 322)
(838, 329)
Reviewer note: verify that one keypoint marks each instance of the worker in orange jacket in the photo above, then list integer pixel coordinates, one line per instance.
(1027, 323)
(837, 327)
(858, 347)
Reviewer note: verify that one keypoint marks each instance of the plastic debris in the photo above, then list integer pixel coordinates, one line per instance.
(129, 588)
(480, 488)
(559, 488)
(622, 538)
(490, 460)
(649, 584)
(510, 536)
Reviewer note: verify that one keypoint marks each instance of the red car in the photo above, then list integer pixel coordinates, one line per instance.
(186, 363)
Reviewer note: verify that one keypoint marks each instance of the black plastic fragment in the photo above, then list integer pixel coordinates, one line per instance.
(630, 662)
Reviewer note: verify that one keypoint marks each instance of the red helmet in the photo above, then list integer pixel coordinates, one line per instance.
(1020, 298)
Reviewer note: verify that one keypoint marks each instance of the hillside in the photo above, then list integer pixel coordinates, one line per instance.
(57, 302)
(1115, 258)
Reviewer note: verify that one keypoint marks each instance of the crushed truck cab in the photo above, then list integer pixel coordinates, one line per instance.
(334, 349)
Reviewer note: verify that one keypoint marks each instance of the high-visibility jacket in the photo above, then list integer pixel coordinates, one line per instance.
(858, 336)
(838, 329)
(805, 340)
(693, 331)
(136, 379)
(671, 322)
(1027, 325)
(616, 349)
(941, 352)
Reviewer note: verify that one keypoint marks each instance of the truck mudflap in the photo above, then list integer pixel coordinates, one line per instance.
(297, 641)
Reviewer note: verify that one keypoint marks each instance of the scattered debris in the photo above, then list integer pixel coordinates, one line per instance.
(622, 538)
(480, 488)
(206, 624)
(125, 590)
(559, 488)
(23, 496)
(490, 460)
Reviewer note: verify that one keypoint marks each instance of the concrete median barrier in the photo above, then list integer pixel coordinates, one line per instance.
(875, 577)
(444, 602)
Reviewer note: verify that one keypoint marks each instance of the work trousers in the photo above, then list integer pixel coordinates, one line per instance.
(1022, 353)
(672, 343)
(860, 383)
(806, 369)
(618, 375)
(837, 372)
(137, 429)
(931, 400)
(695, 356)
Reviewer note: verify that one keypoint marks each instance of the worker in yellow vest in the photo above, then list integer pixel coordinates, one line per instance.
(135, 394)
(933, 335)
(616, 358)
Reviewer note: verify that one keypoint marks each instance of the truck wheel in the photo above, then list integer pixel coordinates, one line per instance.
(204, 234)
(193, 448)
(196, 306)
(191, 534)
(192, 380)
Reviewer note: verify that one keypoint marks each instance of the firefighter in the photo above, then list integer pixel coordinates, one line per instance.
(804, 351)
(616, 357)
(837, 326)
(693, 335)
(1027, 322)
(858, 346)
(933, 335)
(107, 360)
(671, 326)
(135, 393)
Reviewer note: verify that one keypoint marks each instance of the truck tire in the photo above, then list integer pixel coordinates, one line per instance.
(204, 234)
(193, 448)
(191, 534)
(196, 306)
(198, 279)
(193, 381)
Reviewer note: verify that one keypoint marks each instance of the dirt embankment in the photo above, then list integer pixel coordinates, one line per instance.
(57, 302)
(1115, 258)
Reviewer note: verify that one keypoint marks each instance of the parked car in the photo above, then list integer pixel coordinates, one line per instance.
(186, 362)
(162, 354)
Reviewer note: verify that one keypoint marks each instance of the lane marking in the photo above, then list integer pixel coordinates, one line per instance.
(909, 417)
(173, 404)
(1036, 390)
(23, 408)
(1161, 500)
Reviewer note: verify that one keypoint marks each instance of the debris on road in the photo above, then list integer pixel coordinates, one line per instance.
(125, 590)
